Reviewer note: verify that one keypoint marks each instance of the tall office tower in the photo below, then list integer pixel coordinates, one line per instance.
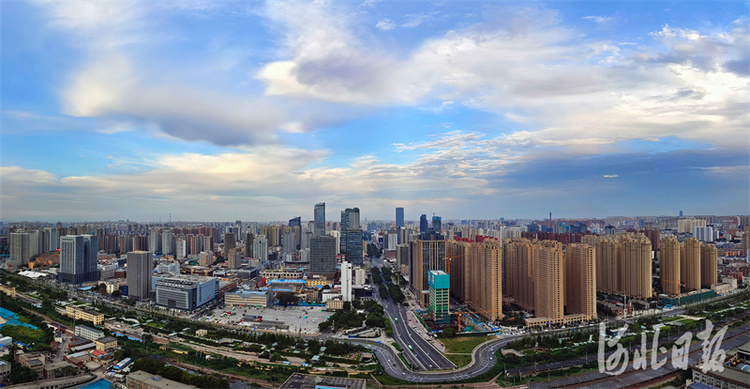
(607, 250)
(399, 217)
(260, 248)
(354, 238)
(423, 227)
(249, 238)
(437, 223)
(402, 257)
(320, 219)
(426, 255)
(518, 271)
(78, 259)
(289, 244)
(709, 265)
(296, 225)
(167, 239)
(580, 280)
(635, 265)
(323, 255)
(140, 243)
(140, 268)
(344, 225)
(346, 281)
(690, 264)
(229, 243)
(19, 247)
(669, 265)
(439, 296)
(549, 284)
(154, 240)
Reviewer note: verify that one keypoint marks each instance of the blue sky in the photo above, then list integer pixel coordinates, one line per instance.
(257, 110)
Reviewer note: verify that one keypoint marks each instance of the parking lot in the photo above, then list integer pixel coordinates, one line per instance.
(293, 319)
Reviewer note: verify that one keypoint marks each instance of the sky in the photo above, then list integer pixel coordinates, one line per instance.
(222, 111)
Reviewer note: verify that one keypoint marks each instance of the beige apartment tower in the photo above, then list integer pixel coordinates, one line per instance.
(669, 265)
(476, 275)
(549, 280)
(518, 271)
(690, 264)
(709, 265)
(580, 280)
(635, 265)
(607, 264)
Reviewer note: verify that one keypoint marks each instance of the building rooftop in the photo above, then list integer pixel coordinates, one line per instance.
(106, 339)
(157, 381)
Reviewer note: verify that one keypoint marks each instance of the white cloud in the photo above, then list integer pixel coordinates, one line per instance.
(598, 19)
(610, 176)
(385, 24)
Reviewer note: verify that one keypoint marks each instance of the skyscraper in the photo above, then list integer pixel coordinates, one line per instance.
(154, 240)
(669, 265)
(323, 255)
(690, 264)
(399, 217)
(580, 280)
(140, 266)
(20, 247)
(426, 255)
(320, 219)
(167, 242)
(437, 223)
(423, 224)
(229, 243)
(346, 281)
(549, 282)
(709, 265)
(352, 236)
(78, 259)
(635, 265)
(260, 248)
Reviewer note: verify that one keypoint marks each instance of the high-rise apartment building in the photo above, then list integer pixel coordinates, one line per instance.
(690, 264)
(154, 240)
(475, 270)
(320, 219)
(323, 255)
(518, 271)
(167, 242)
(260, 248)
(607, 250)
(78, 259)
(20, 247)
(140, 267)
(709, 265)
(234, 257)
(669, 265)
(399, 217)
(635, 265)
(580, 280)
(549, 287)
(249, 238)
(685, 226)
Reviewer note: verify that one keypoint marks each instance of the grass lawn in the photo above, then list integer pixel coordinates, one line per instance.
(464, 344)
(460, 360)
(22, 334)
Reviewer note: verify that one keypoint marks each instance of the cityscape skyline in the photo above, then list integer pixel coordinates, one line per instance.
(225, 110)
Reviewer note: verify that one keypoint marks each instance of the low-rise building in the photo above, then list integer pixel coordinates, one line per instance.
(335, 305)
(247, 298)
(4, 370)
(79, 314)
(107, 344)
(143, 380)
(34, 361)
(88, 332)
